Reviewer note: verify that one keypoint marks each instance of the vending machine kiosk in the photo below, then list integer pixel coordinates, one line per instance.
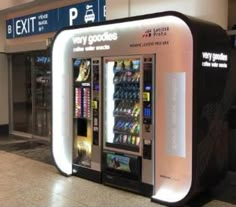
(140, 104)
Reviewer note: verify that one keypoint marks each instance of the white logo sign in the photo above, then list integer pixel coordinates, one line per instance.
(25, 26)
(89, 14)
(86, 42)
(91, 39)
(73, 15)
(214, 60)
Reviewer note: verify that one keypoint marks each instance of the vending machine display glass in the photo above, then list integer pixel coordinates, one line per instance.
(122, 104)
(82, 112)
(128, 123)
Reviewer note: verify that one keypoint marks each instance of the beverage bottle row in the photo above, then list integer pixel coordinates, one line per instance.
(127, 77)
(126, 139)
(130, 108)
(127, 86)
(126, 65)
(125, 94)
(128, 126)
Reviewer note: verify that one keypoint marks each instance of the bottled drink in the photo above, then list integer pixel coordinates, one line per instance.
(133, 127)
(124, 138)
(133, 140)
(137, 129)
(137, 141)
(129, 139)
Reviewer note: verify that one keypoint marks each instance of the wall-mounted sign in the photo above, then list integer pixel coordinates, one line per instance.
(55, 19)
(214, 60)
(86, 43)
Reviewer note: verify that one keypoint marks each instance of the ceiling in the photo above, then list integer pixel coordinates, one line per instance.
(12, 5)
(6, 4)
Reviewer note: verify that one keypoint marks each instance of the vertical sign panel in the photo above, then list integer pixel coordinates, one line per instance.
(175, 114)
(10, 28)
(102, 10)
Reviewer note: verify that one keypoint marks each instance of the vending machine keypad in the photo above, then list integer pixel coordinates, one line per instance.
(147, 108)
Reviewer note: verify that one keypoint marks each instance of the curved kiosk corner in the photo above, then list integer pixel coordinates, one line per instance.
(173, 69)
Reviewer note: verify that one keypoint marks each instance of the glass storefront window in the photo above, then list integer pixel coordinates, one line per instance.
(31, 94)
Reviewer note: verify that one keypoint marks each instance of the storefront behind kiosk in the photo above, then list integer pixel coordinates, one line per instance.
(186, 149)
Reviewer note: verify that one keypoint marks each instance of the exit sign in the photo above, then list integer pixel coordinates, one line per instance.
(55, 19)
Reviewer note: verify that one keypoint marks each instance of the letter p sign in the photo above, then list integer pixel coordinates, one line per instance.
(73, 15)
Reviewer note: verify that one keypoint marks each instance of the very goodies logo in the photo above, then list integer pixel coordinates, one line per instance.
(91, 39)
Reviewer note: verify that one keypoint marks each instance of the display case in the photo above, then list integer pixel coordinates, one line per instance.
(122, 104)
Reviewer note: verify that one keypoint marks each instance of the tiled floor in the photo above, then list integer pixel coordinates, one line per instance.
(35, 149)
(25, 182)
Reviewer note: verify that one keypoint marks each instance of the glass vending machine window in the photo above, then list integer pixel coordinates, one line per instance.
(82, 112)
(122, 104)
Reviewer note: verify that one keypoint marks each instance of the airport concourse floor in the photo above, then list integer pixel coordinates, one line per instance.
(28, 178)
(28, 183)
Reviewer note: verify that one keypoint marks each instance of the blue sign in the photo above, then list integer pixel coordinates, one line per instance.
(56, 19)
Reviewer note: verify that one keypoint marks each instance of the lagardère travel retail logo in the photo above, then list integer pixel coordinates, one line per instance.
(156, 32)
